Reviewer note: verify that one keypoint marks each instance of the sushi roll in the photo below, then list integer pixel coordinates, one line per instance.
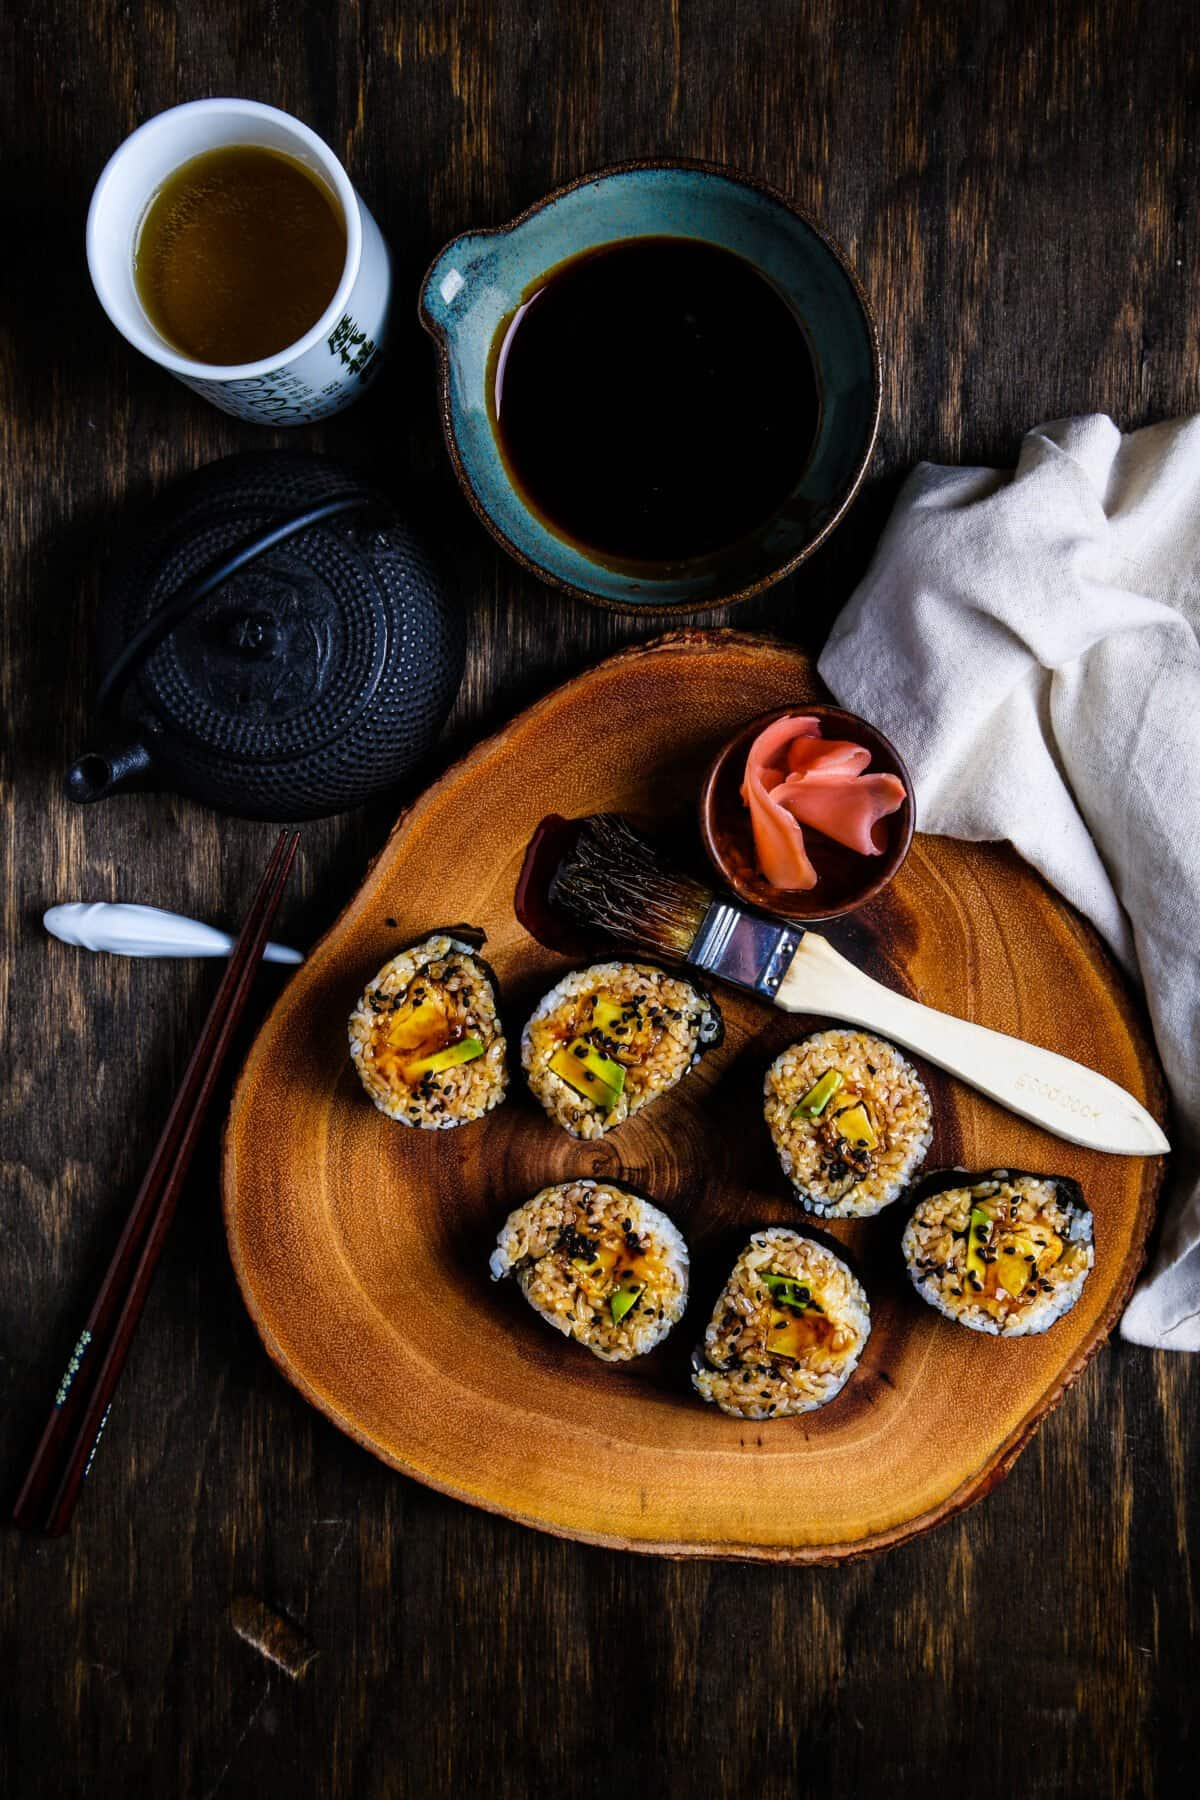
(606, 1041)
(598, 1263)
(425, 1037)
(787, 1330)
(1000, 1251)
(850, 1120)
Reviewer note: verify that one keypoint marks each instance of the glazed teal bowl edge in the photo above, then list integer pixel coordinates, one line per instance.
(480, 276)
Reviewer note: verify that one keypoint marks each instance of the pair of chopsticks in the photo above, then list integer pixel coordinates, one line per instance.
(68, 1443)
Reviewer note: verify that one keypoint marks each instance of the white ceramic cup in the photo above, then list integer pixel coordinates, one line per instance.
(335, 360)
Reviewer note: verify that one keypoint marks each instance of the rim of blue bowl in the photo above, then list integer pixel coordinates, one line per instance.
(692, 165)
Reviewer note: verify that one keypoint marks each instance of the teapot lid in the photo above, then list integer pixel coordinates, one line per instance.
(249, 623)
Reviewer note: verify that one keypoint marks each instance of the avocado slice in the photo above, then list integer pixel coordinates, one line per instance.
(855, 1125)
(623, 1300)
(979, 1230)
(465, 1051)
(607, 1261)
(609, 1019)
(813, 1104)
(595, 1077)
(785, 1290)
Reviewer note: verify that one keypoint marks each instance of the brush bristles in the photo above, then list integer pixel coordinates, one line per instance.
(615, 882)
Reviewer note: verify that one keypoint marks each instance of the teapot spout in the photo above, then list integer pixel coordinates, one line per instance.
(98, 773)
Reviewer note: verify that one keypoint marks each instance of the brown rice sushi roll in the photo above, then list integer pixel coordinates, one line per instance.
(1000, 1251)
(850, 1120)
(599, 1264)
(787, 1330)
(426, 1038)
(607, 1040)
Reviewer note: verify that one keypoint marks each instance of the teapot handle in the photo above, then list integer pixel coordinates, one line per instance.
(97, 774)
(161, 624)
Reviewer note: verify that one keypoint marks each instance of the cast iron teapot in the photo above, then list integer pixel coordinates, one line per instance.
(277, 644)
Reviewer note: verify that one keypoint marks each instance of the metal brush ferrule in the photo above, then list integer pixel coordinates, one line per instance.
(741, 947)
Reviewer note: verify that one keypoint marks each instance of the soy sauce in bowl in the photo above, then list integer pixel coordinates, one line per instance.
(654, 399)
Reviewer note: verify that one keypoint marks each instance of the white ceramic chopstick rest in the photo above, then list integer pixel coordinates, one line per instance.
(129, 930)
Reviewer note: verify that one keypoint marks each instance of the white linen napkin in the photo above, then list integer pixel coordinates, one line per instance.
(1029, 642)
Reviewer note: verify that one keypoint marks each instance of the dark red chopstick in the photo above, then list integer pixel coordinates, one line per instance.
(68, 1442)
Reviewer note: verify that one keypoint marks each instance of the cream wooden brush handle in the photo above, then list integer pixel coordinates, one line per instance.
(1071, 1101)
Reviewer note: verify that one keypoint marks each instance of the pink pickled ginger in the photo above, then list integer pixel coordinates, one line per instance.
(795, 777)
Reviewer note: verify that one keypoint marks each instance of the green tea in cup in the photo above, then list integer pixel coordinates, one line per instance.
(239, 253)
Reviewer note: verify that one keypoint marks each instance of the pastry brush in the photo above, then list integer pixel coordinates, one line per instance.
(614, 881)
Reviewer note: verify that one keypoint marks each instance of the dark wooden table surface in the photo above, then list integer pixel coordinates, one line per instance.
(1018, 185)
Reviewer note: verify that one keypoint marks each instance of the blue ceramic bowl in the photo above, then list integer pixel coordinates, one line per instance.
(481, 277)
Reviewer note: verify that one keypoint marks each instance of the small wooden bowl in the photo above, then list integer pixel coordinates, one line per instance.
(845, 880)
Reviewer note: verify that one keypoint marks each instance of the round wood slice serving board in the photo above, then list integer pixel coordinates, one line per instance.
(361, 1246)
